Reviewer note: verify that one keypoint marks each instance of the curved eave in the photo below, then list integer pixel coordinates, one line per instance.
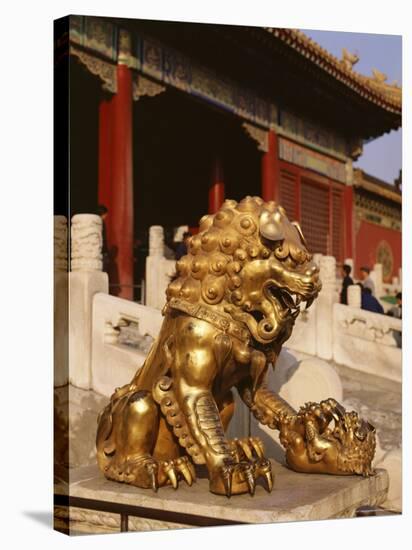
(377, 188)
(362, 85)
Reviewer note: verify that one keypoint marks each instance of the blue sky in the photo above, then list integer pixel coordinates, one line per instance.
(381, 157)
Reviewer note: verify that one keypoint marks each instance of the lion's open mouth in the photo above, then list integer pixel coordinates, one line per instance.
(288, 301)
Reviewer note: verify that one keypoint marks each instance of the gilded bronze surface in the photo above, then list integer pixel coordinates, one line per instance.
(231, 306)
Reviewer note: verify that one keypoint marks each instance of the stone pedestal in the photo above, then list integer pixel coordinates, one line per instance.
(295, 497)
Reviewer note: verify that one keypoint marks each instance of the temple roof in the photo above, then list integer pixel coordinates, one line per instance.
(377, 186)
(375, 88)
(281, 66)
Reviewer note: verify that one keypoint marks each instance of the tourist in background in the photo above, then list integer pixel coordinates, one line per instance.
(347, 281)
(367, 280)
(181, 248)
(396, 311)
(369, 302)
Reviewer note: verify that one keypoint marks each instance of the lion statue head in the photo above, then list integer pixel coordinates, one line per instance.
(249, 261)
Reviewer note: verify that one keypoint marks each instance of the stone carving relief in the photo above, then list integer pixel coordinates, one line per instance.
(126, 331)
(86, 234)
(369, 328)
(60, 243)
(327, 266)
(156, 241)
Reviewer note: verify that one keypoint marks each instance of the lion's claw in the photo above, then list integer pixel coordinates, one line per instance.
(170, 471)
(152, 469)
(247, 448)
(241, 476)
(263, 469)
(234, 478)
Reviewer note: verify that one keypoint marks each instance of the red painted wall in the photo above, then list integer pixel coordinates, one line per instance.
(368, 238)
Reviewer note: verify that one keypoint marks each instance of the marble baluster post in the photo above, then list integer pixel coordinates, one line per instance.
(61, 306)
(155, 268)
(86, 279)
(354, 296)
(324, 308)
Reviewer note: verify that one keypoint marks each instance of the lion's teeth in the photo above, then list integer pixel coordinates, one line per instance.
(288, 300)
(298, 299)
(309, 303)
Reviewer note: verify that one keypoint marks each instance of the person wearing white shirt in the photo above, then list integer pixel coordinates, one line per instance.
(367, 280)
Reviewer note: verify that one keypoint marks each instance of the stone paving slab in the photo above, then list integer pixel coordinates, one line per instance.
(295, 497)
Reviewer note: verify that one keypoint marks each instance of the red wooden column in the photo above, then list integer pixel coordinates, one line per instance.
(104, 188)
(217, 187)
(270, 169)
(116, 180)
(349, 223)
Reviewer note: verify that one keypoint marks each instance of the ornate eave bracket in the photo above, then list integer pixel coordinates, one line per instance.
(259, 135)
(104, 70)
(143, 86)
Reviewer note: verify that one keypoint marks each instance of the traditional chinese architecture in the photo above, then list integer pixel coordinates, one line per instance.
(378, 224)
(167, 118)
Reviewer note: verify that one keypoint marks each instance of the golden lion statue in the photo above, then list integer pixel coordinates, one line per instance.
(231, 306)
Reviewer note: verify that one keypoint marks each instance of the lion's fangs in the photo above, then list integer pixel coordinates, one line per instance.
(291, 301)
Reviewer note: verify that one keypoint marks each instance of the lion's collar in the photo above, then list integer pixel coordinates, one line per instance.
(204, 313)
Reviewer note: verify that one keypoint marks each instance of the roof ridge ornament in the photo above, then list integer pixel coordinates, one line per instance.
(349, 59)
(379, 76)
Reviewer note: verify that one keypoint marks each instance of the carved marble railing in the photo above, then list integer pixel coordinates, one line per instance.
(85, 280)
(99, 334)
(312, 333)
(348, 335)
(159, 269)
(122, 332)
(364, 341)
